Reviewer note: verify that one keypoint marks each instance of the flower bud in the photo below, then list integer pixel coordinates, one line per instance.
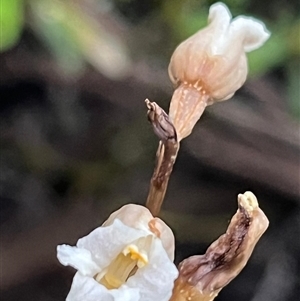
(212, 64)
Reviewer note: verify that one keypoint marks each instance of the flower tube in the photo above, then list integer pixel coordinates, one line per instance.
(129, 258)
(211, 65)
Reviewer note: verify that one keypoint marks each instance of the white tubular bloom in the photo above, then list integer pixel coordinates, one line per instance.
(215, 56)
(129, 258)
(211, 65)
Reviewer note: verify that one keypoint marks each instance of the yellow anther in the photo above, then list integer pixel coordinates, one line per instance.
(136, 254)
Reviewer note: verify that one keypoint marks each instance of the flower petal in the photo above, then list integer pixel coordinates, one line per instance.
(105, 243)
(165, 234)
(156, 280)
(87, 289)
(139, 217)
(80, 259)
(220, 14)
(131, 215)
(250, 31)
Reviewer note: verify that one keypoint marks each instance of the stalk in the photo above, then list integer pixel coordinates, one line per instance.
(165, 156)
(187, 105)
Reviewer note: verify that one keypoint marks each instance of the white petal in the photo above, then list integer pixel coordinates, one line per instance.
(79, 259)
(132, 215)
(220, 14)
(87, 289)
(250, 31)
(139, 217)
(125, 293)
(166, 235)
(155, 280)
(219, 22)
(105, 243)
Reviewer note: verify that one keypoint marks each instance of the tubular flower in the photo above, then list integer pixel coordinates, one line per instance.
(211, 65)
(129, 258)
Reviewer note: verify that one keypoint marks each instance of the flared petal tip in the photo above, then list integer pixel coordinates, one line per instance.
(253, 31)
(219, 12)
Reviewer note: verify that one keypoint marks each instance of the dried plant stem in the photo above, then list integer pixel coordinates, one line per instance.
(165, 156)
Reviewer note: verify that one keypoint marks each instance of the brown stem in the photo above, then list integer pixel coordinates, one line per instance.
(187, 105)
(165, 156)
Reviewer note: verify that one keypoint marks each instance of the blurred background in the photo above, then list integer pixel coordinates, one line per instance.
(76, 144)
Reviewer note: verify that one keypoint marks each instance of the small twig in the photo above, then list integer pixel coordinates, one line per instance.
(165, 156)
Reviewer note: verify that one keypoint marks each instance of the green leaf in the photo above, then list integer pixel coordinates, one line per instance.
(12, 20)
(50, 22)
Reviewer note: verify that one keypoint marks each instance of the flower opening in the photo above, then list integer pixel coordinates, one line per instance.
(130, 257)
(125, 265)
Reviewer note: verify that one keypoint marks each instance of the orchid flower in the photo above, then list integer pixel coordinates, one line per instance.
(129, 258)
(211, 65)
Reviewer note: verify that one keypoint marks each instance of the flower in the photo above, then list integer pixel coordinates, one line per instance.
(129, 258)
(202, 277)
(211, 65)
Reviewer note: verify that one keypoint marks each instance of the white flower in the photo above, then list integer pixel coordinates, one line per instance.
(211, 65)
(215, 56)
(129, 258)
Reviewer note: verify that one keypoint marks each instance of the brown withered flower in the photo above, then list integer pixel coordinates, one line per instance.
(201, 277)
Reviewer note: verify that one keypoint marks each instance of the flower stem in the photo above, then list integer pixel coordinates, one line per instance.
(187, 105)
(165, 156)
